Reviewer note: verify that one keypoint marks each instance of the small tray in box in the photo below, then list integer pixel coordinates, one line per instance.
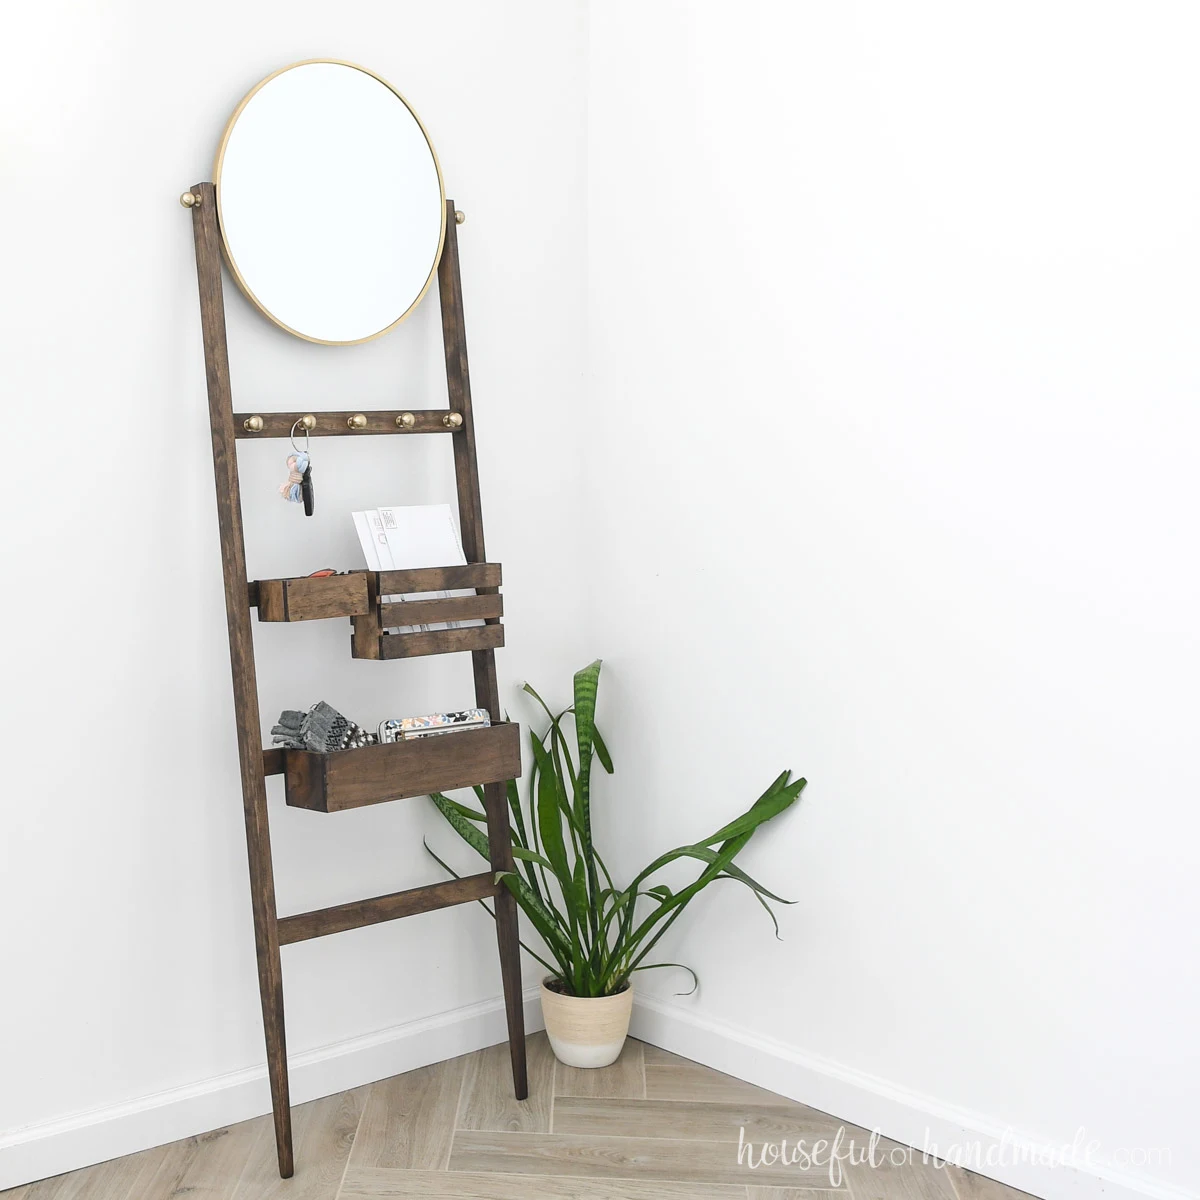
(396, 771)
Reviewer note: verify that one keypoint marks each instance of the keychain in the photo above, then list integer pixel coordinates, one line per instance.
(299, 486)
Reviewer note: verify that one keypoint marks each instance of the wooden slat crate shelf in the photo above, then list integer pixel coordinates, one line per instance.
(370, 638)
(360, 596)
(375, 774)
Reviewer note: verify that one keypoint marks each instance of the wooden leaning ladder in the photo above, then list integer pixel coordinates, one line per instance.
(352, 778)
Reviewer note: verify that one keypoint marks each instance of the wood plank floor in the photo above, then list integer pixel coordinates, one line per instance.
(652, 1126)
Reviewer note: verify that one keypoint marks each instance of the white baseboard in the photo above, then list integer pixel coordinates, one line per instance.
(39, 1151)
(1029, 1163)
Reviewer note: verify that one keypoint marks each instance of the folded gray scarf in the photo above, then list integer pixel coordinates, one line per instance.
(322, 729)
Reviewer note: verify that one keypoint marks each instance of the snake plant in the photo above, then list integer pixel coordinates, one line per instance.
(596, 934)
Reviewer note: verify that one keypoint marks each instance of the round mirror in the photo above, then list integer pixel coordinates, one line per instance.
(330, 201)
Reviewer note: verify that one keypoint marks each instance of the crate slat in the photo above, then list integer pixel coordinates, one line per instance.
(439, 579)
(440, 641)
(453, 608)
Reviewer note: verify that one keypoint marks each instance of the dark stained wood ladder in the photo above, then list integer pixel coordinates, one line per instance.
(493, 755)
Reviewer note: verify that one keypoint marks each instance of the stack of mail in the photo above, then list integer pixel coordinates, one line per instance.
(408, 537)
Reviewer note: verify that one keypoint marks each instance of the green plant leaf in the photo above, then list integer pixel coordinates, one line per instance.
(774, 800)
(514, 808)
(770, 804)
(472, 814)
(550, 806)
(475, 838)
(521, 853)
(602, 751)
(549, 814)
(763, 901)
(675, 904)
(520, 841)
(587, 683)
(681, 966)
(553, 719)
(705, 855)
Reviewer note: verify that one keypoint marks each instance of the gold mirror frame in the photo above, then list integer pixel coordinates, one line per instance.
(228, 253)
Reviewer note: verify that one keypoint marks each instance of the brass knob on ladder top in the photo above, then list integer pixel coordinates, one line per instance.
(405, 421)
(253, 424)
(452, 420)
(357, 421)
(460, 217)
(189, 199)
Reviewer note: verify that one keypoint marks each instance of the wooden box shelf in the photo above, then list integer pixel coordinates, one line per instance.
(371, 639)
(375, 774)
(311, 598)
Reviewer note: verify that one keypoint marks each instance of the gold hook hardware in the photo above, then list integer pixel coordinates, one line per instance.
(307, 422)
(460, 217)
(253, 424)
(452, 420)
(357, 421)
(190, 200)
(405, 421)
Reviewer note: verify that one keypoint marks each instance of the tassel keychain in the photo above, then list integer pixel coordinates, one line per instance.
(299, 486)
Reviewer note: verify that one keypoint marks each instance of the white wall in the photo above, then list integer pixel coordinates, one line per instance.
(893, 314)
(128, 954)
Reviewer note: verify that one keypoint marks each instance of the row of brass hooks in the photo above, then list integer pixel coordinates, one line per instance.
(404, 421)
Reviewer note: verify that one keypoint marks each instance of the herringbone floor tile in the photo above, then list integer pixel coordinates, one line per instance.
(652, 1126)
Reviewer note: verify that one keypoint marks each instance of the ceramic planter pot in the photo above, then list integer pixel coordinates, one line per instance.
(586, 1031)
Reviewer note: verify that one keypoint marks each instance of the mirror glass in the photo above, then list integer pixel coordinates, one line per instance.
(330, 202)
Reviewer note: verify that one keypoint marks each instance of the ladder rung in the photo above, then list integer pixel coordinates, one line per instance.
(336, 424)
(358, 913)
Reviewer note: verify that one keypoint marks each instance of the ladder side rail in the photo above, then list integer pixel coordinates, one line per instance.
(241, 659)
(483, 662)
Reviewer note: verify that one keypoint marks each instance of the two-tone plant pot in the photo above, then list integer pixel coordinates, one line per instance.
(586, 1031)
